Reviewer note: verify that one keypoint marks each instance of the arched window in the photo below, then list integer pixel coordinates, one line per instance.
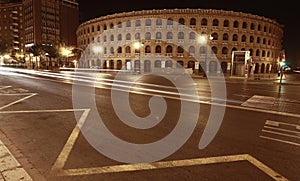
(257, 53)
(192, 35)
(244, 38)
(235, 37)
(147, 49)
(112, 50)
(263, 53)
(137, 23)
(214, 50)
(169, 63)
(169, 36)
(215, 36)
(252, 26)
(258, 40)
(128, 36)
(215, 22)
(147, 36)
(193, 22)
(158, 22)
(264, 41)
(158, 35)
(104, 38)
(158, 49)
(226, 23)
(244, 25)
(148, 22)
(203, 50)
(251, 39)
(225, 37)
(98, 28)
(111, 26)
(128, 23)
(170, 21)
(258, 27)
(224, 50)
(180, 35)
(192, 50)
(157, 64)
(181, 21)
(265, 29)
(119, 50)
(111, 37)
(180, 49)
(137, 36)
(119, 25)
(128, 49)
(235, 24)
(204, 22)
(169, 49)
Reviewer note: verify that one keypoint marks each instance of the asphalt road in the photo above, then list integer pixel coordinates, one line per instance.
(258, 137)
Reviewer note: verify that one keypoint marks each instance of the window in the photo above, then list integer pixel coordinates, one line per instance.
(215, 22)
(235, 37)
(244, 38)
(215, 36)
(119, 25)
(225, 37)
(128, 49)
(203, 50)
(148, 22)
(170, 21)
(128, 24)
(111, 37)
(169, 49)
(137, 23)
(158, 49)
(244, 25)
(147, 36)
(137, 36)
(224, 50)
(128, 36)
(192, 36)
(180, 49)
(158, 36)
(192, 50)
(147, 49)
(257, 53)
(235, 24)
(119, 50)
(252, 26)
(251, 39)
(119, 37)
(226, 23)
(181, 21)
(169, 36)
(180, 35)
(158, 22)
(193, 22)
(204, 22)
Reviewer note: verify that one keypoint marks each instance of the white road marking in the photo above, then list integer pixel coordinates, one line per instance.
(272, 123)
(5, 87)
(279, 140)
(281, 134)
(280, 129)
(15, 102)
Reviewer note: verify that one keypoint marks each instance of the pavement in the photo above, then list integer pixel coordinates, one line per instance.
(12, 170)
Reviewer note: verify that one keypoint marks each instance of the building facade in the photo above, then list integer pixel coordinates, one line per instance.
(50, 22)
(173, 34)
(11, 29)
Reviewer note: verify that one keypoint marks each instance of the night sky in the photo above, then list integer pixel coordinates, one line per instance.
(284, 12)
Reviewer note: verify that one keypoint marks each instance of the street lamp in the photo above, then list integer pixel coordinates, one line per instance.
(282, 64)
(203, 40)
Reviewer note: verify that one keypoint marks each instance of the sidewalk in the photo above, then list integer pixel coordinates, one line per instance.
(10, 168)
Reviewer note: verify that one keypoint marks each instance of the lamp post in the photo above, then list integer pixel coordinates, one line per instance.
(203, 40)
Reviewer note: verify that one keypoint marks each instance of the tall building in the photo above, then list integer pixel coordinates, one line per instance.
(11, 29)
(50, 22)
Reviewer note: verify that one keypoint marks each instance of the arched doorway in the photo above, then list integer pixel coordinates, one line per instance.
(224, 67)
(169, 64)
(213, 67)
(147, 66)
(119, 64)
(191, 64)
(111, 64)
(137, 65)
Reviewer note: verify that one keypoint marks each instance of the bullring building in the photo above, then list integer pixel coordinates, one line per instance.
(196, 39)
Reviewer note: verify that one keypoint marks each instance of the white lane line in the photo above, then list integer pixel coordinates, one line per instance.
(279, 140)
(172, 164)
(15, 102)
(280, 129)
(281, 134)
(64, 154)
(41, 111)
(5, 87)
(272, 123)
(283, 123)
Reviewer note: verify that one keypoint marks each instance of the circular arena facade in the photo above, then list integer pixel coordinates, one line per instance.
(200, 40)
